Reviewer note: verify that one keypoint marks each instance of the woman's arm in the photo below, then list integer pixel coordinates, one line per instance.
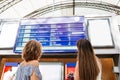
(34, 76)
(76, 74)
(36, 64)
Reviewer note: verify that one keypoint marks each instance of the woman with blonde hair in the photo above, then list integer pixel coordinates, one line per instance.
(29, 68)
(88, 66)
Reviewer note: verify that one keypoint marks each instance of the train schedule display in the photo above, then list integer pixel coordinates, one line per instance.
(57, 35)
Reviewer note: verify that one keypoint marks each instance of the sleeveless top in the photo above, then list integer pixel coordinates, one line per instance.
(24, 72)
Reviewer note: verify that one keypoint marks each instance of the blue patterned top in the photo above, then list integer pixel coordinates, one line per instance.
(24, 72)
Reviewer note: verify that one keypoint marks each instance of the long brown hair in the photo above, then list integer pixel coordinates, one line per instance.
(32, 50)
(88, 68)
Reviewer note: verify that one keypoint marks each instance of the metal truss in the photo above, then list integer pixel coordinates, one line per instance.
(5, 4)
(78, 3)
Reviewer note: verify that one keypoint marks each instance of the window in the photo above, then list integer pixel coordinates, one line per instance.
(8, 33)
(99, 32)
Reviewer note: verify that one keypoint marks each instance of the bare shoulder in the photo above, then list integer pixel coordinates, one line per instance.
(98, 59)
(34, 63)
(23, 63)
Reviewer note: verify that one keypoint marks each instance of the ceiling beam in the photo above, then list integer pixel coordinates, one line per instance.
(5, 4)
(69, 4)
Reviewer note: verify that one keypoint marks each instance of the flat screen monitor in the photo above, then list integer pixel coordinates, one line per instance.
(57, 35)
(99, 33)
(49, 70)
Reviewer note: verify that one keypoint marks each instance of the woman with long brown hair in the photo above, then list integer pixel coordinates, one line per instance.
(88, 66)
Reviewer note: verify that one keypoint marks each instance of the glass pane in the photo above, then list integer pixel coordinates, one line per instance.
(99, 32)
(8, 34)
(52, 70)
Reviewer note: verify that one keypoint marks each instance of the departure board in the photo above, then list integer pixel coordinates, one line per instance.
(56, 35)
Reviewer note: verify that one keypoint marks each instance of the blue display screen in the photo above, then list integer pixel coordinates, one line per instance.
(55, 34)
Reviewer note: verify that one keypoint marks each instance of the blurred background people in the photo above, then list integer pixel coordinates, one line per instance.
(8, 75)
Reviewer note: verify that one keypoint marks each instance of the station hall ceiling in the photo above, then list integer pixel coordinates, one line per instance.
(30, 8)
